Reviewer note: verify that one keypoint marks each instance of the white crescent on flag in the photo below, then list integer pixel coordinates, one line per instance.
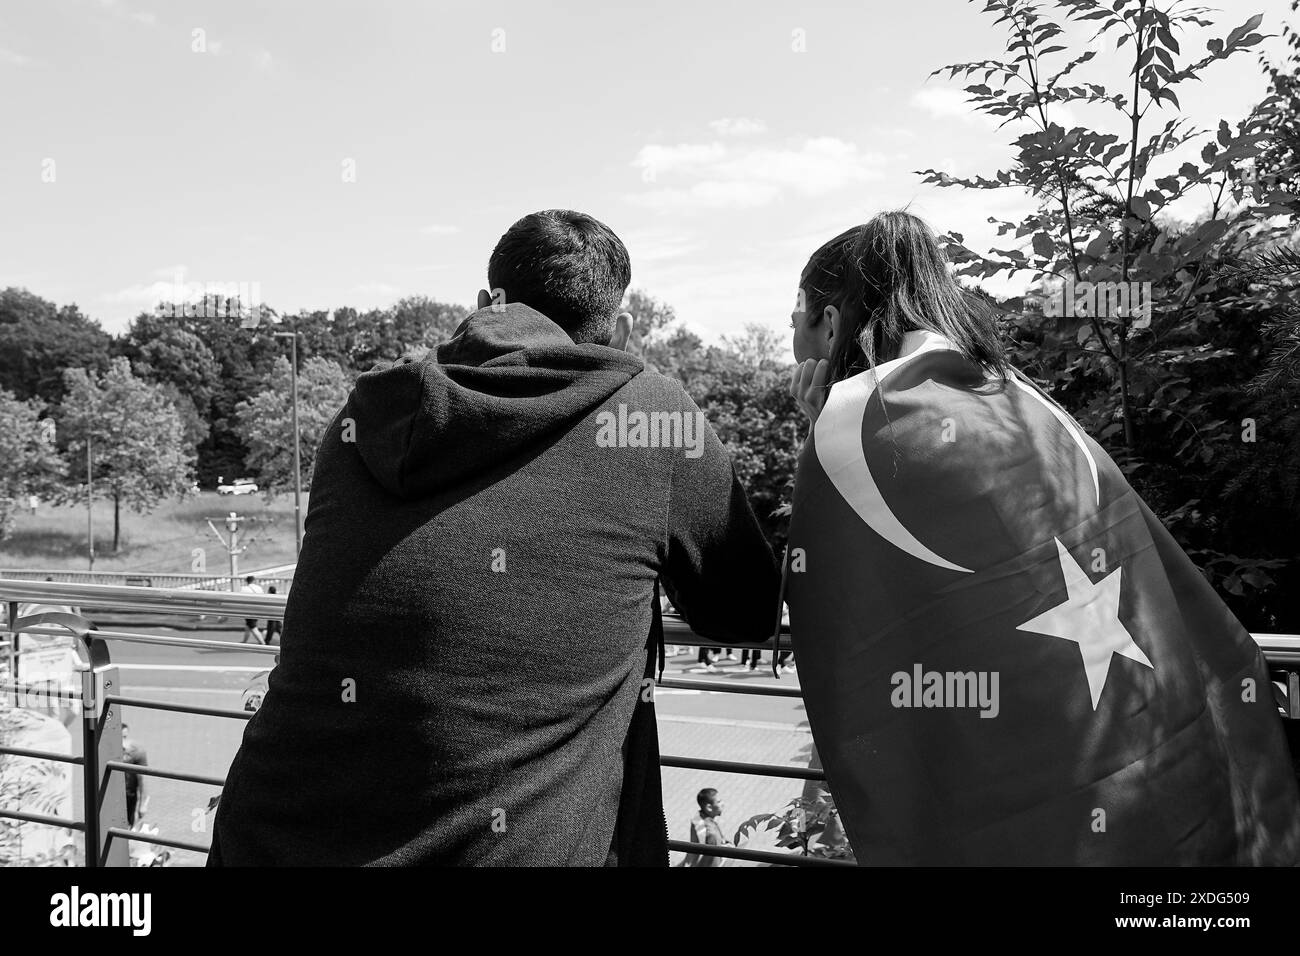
(838, 442)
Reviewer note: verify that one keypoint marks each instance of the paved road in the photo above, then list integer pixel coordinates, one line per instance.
(694, 723)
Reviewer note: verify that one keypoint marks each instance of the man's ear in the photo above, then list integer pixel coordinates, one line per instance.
(622, 331)
(484, 298)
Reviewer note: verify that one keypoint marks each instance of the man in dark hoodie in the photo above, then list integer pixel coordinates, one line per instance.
(466, 662)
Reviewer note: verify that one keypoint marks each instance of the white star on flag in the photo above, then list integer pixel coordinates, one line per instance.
(1090, 618)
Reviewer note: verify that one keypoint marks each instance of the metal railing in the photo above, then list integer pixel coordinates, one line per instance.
(101, 702)
(151, 579)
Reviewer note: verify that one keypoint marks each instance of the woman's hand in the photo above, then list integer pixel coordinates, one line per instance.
(808, 386)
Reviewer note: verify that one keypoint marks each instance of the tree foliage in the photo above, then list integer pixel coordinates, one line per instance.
(265, 421)
(1102, 193)
(29, 461)
(1165, 391)
(38, 340)
(138, 451)
(742, 386)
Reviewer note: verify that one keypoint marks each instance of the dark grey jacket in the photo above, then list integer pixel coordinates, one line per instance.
(467, 638)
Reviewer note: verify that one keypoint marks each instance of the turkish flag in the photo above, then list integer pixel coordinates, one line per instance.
(1005, 657)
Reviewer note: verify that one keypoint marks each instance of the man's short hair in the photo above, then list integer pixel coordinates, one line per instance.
(705, 797)
(248, 580)
(566, 265)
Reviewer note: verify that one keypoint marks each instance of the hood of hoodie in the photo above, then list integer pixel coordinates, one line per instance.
(509, 379)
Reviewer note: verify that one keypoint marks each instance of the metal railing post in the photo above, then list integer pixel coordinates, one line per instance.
(13, 649)
(92, 700)
(101, 735)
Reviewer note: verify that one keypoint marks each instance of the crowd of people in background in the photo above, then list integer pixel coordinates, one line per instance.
(708, 658)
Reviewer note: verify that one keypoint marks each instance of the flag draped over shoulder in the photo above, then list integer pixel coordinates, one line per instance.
(1005, 657)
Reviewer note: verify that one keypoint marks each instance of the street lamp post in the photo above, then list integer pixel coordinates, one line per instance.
(297, 439)
(252, 320)
(90, 516)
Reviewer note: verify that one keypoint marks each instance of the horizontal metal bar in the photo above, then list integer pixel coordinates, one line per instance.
(64, 576)
(42, 818)
(766, 690)
(167, 600)
(40, 755)
(757, 856)
(42, 690)
(138, 837)
(146, 771)
(131, 637)
(147, 704)
(730, 766)
(677, 631)
(1278, 641)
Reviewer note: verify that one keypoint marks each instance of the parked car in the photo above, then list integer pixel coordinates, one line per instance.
(240, 486)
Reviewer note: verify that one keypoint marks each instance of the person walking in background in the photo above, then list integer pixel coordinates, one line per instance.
(136, 799)
(273, 628)
(754, 655)
(706, 828)
(251, 629)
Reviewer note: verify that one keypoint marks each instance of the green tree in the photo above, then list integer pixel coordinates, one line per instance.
(1281, 112)
(29, 459)
(137, 440)
(180, 363)
(1101, 193)
(265, 421)
(742, 386)
(38, 340)
(1165, 391)
(749, 405)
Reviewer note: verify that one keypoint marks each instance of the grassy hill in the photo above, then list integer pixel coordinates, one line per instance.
(162, 541)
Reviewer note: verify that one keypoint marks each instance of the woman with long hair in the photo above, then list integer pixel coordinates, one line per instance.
(1005, 658)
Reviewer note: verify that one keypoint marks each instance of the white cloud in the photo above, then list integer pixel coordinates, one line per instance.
(739, 126)
(946, 102)
(820, 166)
(122, 11)
(141, 294)
(708, 195)
(893, 132)
(263, 61)
(656, 159)
(376, 289)
(13, 58)
(745, 176)
(649, 246)
(439, 230)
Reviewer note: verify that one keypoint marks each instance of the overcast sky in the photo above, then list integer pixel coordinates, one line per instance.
(352, 153)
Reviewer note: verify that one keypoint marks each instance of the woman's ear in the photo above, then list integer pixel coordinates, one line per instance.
(832, 316)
